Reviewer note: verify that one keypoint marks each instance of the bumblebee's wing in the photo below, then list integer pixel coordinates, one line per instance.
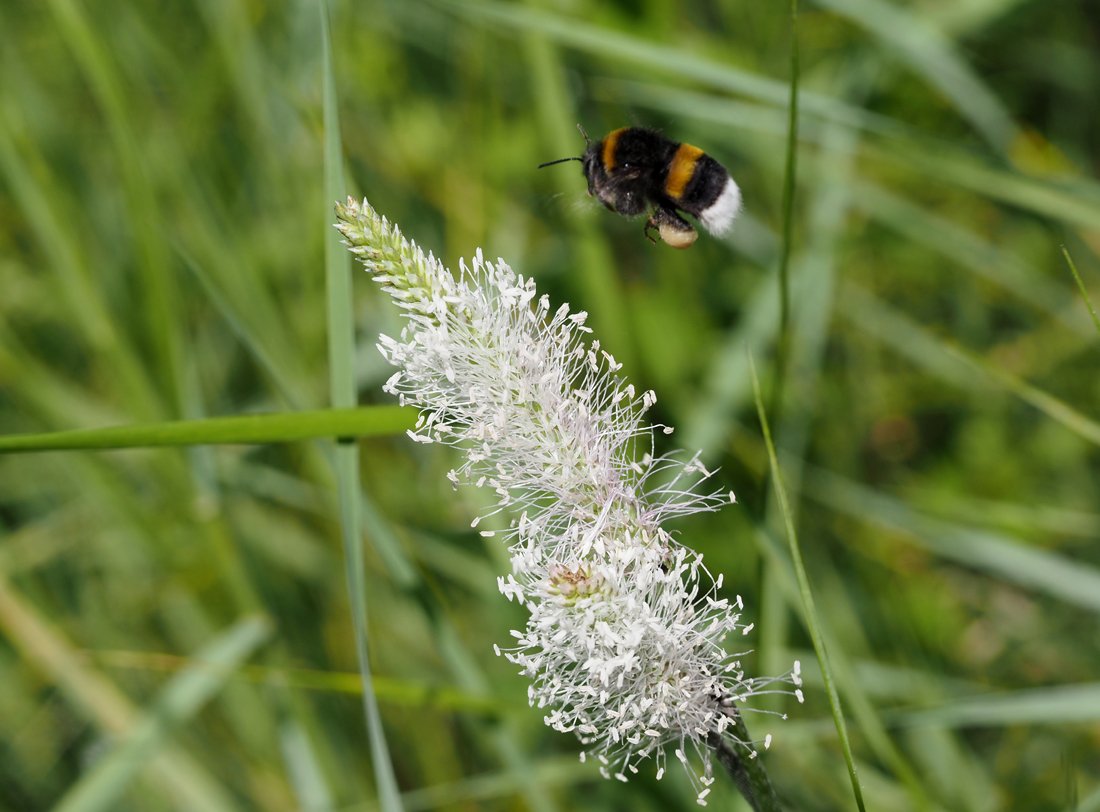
(627, 189)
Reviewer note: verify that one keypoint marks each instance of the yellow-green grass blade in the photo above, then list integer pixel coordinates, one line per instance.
(1074, 582)
(905, 34)
(102, 786)
(808, 335)
(596, 278)
(727, 383)
(607, 43)
(1052, 705)
(967, 248)
(30, 186)
(1054, 408)
(790, 170)
(1081, 286)
(98, 699)
(272, 364)
(160, 309)
(551, 775)
(955, 364)
(942, 163)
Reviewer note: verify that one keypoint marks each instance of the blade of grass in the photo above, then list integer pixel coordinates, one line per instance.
(1054, 408)
(1082, 288)
(599, 285)
(608, 44)
(707, 422)
(96, 698)
(366, 421)
(953, 363)
(932, 55)
(1053, 705)
(101, 787)
(29, 181)
(1088, 804)
(1068, 580)
(341, 352)
(859, 701)
(789, 172)
(305, 771)
(944, 163)
(806, 594)
(970, 16)
(161, 300)
(403, 691)
(265, 359)
(964, 246)
(550, 775)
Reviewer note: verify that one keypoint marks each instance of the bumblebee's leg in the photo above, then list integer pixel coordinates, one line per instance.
(673, 229)
(651, 225)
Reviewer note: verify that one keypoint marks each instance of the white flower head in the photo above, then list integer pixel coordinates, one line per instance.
(624, 643)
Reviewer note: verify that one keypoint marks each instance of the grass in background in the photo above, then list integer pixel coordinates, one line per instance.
(163, 203)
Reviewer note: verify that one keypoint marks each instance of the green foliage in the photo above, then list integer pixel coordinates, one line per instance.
(165, 194)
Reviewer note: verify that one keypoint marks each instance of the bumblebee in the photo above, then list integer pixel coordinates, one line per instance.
(634, 168)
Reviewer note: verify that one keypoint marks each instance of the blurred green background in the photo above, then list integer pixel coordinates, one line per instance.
(162, 233)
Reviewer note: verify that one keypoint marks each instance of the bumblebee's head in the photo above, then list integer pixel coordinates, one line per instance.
(594, 171)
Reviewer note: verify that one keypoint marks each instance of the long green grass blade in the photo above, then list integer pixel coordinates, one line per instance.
(161, 299)
(983, 257)
(409, 693)
(341, 358)
(610, 44)
(789, 178)
(907, 34)
(956, 364)
(188, 691)
(480, 790)
(367, 421)
(809, 612)
(1054, 408)
(1081, 286)
(596, 277)
(1072, 581)
(943, 163)
(1056, 705)
(100, 701)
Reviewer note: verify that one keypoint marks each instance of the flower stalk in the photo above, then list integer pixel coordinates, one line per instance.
(624, 644)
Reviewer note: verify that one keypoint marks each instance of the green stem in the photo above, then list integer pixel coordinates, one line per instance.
(789, 175)
(808, 607)
(1082, 288)
(747, 773)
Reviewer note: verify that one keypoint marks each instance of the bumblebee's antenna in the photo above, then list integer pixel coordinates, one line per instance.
(587, 142)
(559, 161)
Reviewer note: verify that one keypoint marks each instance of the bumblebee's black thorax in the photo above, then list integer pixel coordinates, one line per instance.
(627, 168)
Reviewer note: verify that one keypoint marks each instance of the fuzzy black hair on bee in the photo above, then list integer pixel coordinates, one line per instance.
(634, 168)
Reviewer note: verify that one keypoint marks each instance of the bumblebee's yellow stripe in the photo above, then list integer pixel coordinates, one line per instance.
(681, 169)
(609, 145)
